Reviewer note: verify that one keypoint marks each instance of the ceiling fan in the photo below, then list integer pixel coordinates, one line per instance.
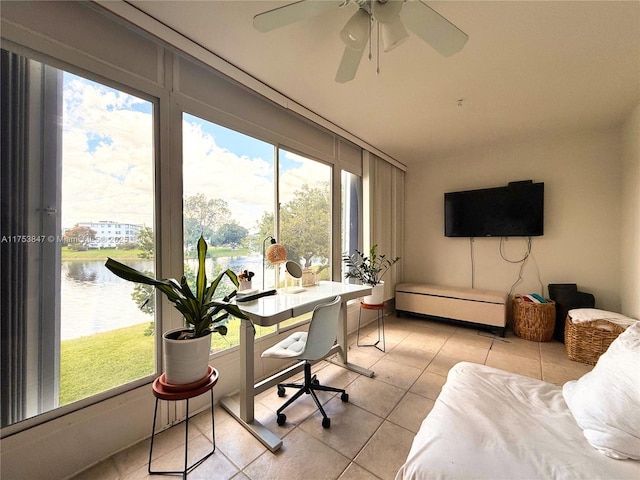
(389, 17)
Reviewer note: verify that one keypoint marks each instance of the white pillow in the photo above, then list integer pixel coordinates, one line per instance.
(606, 401)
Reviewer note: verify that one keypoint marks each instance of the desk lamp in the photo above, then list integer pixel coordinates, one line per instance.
(275, 254)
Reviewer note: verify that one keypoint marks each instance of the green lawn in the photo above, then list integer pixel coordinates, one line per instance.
(93, 364)
(102, 254)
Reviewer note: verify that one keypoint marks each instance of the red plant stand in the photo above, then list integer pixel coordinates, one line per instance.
(170, 392)
(379, 308)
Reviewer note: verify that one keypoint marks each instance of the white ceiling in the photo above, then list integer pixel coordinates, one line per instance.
(529, 67)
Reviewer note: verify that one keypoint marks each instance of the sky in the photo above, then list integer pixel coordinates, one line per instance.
(108, 152)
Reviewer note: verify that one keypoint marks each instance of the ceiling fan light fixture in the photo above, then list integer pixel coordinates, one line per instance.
(393, 34)
(387, 11)
(355, 33)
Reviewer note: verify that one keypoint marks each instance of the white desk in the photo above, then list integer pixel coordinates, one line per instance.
(267, 311)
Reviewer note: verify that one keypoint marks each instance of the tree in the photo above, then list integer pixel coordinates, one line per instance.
(145, 242)
(78, 237)
(203, 216)
(305, 225)
(231, 234)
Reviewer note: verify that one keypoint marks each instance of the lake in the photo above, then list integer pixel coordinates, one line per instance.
(94, 300)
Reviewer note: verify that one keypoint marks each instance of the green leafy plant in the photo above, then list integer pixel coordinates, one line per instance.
(369, 270)
(200, 310)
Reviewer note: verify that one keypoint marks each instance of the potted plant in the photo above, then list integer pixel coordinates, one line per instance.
(186, 350)
(369, 270)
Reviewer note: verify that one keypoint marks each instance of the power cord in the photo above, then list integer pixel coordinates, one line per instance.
(522, 261)
(473, 263)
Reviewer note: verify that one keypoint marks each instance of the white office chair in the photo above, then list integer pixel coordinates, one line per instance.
(310, 346)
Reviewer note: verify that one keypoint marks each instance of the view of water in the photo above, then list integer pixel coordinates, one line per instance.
(95, 300)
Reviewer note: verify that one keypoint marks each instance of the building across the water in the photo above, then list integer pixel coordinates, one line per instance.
(111, 234)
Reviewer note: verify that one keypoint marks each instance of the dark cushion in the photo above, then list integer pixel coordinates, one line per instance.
(567, 297)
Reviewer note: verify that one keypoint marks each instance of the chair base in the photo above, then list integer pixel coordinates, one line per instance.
(310, 386)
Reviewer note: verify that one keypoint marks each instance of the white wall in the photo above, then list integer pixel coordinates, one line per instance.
(582, 173)
(630, 237)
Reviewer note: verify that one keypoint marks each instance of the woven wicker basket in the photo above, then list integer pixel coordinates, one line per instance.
(534, 321)
(585, 342)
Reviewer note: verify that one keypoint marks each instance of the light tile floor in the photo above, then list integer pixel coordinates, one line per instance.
(370, 435)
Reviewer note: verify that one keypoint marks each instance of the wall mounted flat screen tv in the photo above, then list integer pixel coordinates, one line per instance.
(516, 210)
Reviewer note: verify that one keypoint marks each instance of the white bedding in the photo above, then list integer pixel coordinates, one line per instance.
(488, 423)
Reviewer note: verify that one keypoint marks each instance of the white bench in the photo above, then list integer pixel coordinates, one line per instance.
(484, 307)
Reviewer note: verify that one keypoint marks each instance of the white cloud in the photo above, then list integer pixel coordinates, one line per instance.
(108, 163)
(246, 184)
(107, 169)
(309, 172)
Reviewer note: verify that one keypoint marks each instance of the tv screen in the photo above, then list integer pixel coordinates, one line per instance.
(516, 210)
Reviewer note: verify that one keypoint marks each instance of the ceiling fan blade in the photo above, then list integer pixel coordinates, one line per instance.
(349, 64)
(291, 13)
(433, 28)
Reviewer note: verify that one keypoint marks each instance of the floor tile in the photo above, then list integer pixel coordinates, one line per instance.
(302, 456)
(429, 385)
(560, 373)
(216, 466)
(173, 460)
(515, 364)
(240, 446)
(456, 348)
(364, 356)
(376, 455)
(103, 471)
(410, 412)
(394, 373)
(351, 427)
(517, 346)
(411, 356)
(441, 364)
(375, 396)
(356, 472)
(475, 338)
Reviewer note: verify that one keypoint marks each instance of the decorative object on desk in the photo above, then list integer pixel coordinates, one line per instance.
(293, 269)
(245, 280)
(275, 254)
(292, 276)
(185, 359)
(309, 278)
(369, 270)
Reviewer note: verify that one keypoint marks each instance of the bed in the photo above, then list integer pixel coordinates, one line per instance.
(492, 424)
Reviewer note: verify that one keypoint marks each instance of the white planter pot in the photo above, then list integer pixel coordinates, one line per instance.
(185, 361)
(377, 295)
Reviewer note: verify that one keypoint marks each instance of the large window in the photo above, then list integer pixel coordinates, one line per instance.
(305, 212)
(78, 177)
(228, 190)
(351, 230)
(239, 192)
(77, 187)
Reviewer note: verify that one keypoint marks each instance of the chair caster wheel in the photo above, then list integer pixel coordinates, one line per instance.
(282, 418)
(281, 392)
(315, 381)
(344, 397)
(326, 422)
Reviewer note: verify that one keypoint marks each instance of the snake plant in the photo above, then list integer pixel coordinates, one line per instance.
(200, 310)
